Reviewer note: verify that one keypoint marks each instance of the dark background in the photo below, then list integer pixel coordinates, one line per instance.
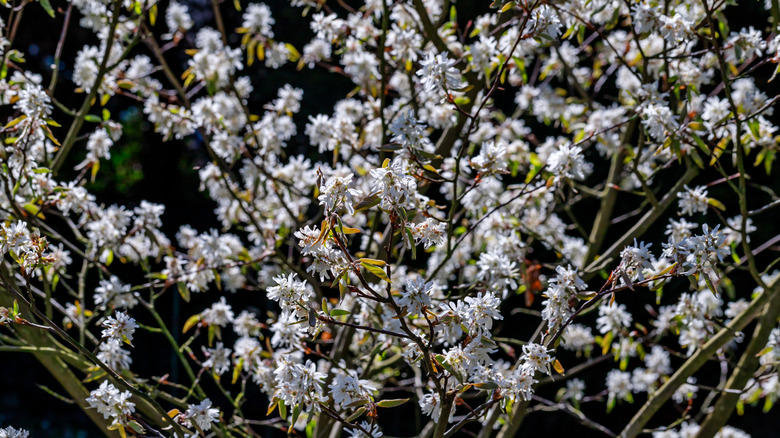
(143, 167)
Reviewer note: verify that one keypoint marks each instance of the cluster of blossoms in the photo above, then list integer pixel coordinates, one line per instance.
(111, 403)
(120, 327)
(10, 432)
(690, 429)
(403, 239)
(200, 416)
(29, 249)
(561, 290)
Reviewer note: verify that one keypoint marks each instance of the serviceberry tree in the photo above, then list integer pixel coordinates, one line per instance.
(487, 176)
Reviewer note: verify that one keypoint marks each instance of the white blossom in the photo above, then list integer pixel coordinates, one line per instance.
(202, 415)
(120, 327)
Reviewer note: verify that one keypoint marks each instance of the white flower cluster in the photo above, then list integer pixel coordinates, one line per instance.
(561, 290)
(120, 327)
(29, 249)
(690, 430)
(111, 403)
(347, 388)
(10, 432)
(699, 254)
(299, 384)
(439, 74)
(694, 201)
(429, 232)
(200, 415)
(292, 295)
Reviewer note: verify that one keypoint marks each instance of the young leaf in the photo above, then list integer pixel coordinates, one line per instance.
(392, 403)
(379, 272)
(373, 262)
(357, 414)
(183, 291)
(47, 7)
(558, 367)
(191, 322)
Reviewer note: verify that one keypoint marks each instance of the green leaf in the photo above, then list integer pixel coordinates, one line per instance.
(368, 202)
(443, 362)
(696, 158)
(462, 100)
(356, 403)
(339, 277)
(532, 173)
(355, 415)
(342, 290)
(212, 333)
(390, 148)
(734, 255)
(47, 7)
(392, 403)
(409, 236)
(710, 286)
(373, 261)
(610, 404)
(717, 204)
(558, 367)
(349, 230)
(183, 291)
(237, 370)
(282, 409)
(311, 424)
(606, 342)
(754, 128)
(701, 144)
(770, 158)
(153, 15)
(667, 270)
(33, 210)
(191, 322)
(93, 376)
(379, 272)
(569, 32)
(293, 53)
(15, 121)
(296, 414)
(137, 428)
(250, 52)
(339, 312)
